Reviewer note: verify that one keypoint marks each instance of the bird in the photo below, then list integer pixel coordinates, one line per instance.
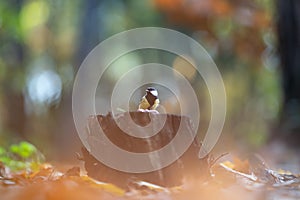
(150, 100)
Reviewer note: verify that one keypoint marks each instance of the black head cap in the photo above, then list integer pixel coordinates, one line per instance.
(150, 89)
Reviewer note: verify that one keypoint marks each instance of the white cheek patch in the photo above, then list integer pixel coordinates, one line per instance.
(154, 93)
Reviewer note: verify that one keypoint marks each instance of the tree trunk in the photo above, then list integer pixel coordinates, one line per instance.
(288, 25)
(186, 165)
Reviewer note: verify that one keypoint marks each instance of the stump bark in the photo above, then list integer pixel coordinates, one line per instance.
(188, 163)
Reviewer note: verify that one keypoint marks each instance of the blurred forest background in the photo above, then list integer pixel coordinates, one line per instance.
(43, 42)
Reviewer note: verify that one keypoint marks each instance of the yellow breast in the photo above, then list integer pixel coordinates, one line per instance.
(144, 104)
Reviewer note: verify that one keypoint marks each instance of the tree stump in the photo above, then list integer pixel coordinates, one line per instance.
(187, 165)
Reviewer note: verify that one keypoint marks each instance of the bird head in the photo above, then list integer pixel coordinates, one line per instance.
(152, 90)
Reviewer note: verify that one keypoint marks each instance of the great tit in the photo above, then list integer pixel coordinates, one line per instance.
(150, 100)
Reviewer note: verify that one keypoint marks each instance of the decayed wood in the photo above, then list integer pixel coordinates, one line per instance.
(187, 165)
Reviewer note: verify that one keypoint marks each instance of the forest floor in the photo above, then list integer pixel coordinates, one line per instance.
(229, 177)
